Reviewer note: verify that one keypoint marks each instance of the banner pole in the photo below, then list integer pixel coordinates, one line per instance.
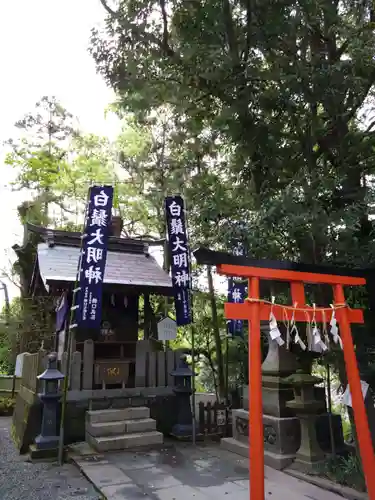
(227, 367)
(192, 328)
(71, 332)
(74, 320)
(187, 288)
(193, 423)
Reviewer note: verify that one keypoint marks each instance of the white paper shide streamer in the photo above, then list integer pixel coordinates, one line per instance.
(347, 396)
(318, 344)
(294, 331)
(275, 333)
(334, 329)
(317, 339)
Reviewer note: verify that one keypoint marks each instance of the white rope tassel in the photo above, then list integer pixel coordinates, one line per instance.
(334, 328)
(294, 330)
(275, 333)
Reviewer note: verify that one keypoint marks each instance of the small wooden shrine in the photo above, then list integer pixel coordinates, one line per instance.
(131, 274)
(120, 364)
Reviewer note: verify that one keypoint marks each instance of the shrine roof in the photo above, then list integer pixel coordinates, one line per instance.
(129, 264)
(73, 239)
(58, 266)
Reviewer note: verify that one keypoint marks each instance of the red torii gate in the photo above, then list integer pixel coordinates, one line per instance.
(254, 311)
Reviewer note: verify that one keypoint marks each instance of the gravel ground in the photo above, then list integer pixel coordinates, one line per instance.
(22, 480)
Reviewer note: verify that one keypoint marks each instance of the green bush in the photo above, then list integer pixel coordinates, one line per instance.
(6, 406)
(346, 471)
(347, 429)
(4, 356)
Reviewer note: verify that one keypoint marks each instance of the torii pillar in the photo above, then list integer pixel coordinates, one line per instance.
(254, 311)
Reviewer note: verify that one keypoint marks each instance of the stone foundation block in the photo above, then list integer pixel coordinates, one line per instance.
(125, 441)
(117, 415)
(281, 438)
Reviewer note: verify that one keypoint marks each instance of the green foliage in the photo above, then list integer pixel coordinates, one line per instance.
(38, 154)
(28, 326)
(267, 128)
(346, 471)
(7, 406)
(347, 430)
(8, 338)
(204, 341)
(264, 99)
(5, 357)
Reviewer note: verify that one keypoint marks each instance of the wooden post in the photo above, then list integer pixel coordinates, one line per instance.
(256, 446)
(359, 409)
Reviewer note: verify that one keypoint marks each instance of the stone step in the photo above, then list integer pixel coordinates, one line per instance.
(116, 415)
(235, 446)
(103, 429)
(125, 441)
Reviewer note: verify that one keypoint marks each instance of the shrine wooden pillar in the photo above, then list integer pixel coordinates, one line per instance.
(254, 310)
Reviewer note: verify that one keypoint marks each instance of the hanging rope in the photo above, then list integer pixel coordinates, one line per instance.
(313, 334)
(334, 307)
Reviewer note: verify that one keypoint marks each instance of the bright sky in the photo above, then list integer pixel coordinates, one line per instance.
(43, 51)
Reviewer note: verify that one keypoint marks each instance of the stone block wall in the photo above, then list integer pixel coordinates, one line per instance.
(27, 416)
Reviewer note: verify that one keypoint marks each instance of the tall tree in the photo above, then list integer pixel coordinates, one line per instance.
(283, 90)
(280, 82)
(39, 153)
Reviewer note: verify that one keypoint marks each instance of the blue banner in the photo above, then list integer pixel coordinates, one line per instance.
(62, 312)
(93, 257)
(237, 291)
(179, 252)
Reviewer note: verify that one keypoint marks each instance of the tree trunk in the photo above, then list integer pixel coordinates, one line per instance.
(216, 330)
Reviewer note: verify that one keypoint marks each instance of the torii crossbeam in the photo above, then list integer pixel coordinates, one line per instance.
(254, 311)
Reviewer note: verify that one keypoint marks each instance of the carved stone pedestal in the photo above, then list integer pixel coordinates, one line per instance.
(281, 438)
(307, 409)
(281, 427)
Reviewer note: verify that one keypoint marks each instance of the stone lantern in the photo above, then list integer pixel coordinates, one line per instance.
(307, 408)
(48, 438)
(182, 389)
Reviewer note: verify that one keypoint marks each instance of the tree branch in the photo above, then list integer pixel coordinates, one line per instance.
(231, 37)
(359, 31)
(165, 24)
(108, 9)
(249, 17)
(10, 277)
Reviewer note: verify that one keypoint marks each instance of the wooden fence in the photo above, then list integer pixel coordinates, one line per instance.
(152, 368)
(214, 420)
(33, 365)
